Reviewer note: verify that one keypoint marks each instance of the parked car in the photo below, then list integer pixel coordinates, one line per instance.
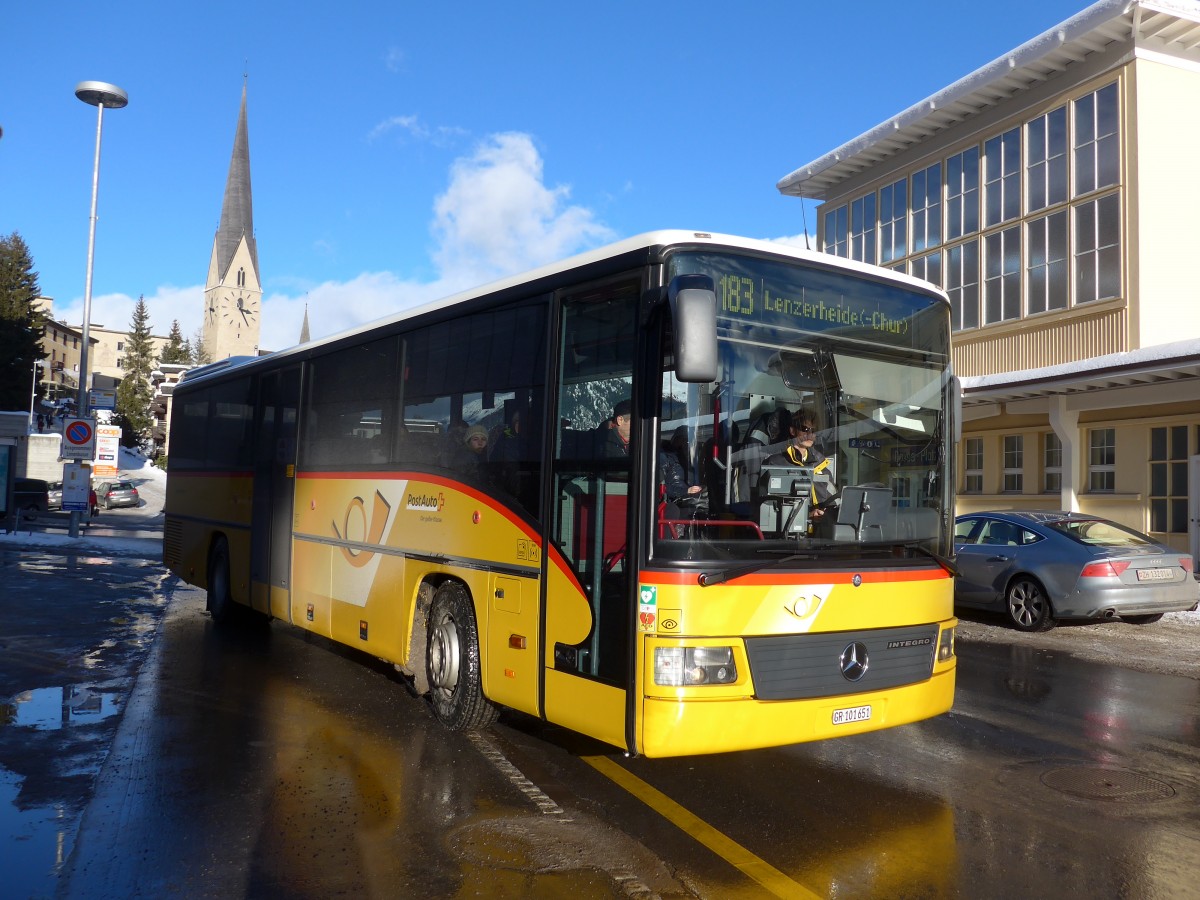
(32, 494)
(111, 494)
(54, 495)
(1040, 566)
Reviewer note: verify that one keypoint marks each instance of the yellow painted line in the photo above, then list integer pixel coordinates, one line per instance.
(726, 848)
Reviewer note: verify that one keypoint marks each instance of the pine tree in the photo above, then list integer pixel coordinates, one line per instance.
(135, 393)
(200, 355)
(20, 322)
(176, 350)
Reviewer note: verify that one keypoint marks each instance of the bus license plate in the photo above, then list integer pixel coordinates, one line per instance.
(851, 714)
(1155, 574)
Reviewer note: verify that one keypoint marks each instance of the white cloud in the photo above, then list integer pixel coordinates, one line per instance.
(804, 241)
(411, 126)
(168, 304)
(496, 217)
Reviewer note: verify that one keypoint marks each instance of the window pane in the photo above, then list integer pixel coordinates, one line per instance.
(1178, 524)
(1179, 442)
(1158, 479)
(1179, 479)
(1158, 443)
(962, 193)
(1158, 515)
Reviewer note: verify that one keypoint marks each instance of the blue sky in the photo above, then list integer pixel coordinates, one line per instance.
(401, 151)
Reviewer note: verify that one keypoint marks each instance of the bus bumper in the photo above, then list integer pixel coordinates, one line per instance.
(672, 727)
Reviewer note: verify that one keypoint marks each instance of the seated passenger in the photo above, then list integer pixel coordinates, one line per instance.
(613, 436)
(469, 455)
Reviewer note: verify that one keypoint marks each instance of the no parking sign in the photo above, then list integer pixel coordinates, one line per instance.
(79, 439)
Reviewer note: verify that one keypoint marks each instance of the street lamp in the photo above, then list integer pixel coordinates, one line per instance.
(98, 94)
(37, 364)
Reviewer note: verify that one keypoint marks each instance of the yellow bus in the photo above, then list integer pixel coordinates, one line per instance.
(570, 493)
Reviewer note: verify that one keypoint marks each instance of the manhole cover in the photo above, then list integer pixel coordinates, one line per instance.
(1099, 783)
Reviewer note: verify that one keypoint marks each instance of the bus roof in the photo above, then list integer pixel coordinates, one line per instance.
(642, 242)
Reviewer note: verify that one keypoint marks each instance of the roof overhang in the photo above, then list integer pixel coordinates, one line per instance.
(1159, 372)
(1170, 26)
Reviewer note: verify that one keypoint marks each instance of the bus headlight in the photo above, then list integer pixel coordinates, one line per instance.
(681, 666)
(945, 645)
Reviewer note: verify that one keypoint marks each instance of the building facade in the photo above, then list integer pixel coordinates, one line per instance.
(1049, 194)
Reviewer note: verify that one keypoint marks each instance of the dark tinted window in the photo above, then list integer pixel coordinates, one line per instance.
(351, 417)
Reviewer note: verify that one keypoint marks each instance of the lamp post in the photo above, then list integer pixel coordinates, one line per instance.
(100, 95)
(37, 364)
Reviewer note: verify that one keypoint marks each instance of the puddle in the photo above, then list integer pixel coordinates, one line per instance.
(49, 709)
(43, 835)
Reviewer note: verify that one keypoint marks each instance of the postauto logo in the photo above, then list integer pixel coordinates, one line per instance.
(425, 502)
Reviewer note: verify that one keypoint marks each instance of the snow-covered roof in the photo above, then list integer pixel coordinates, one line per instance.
(1149, 25)
(1177, 361)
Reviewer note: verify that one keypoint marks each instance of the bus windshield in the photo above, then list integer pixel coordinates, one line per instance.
(826, 432)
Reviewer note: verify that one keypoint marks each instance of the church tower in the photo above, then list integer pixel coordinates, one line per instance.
(233, 292)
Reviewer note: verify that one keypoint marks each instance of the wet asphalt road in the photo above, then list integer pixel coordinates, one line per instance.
(268, 763)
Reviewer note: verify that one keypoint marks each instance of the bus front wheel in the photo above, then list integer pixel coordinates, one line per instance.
(452, 661)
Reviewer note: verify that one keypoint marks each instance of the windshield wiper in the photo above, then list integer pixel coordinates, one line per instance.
(936, 557)
(706, 580)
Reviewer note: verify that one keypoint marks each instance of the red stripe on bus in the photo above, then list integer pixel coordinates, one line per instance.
(868, 576)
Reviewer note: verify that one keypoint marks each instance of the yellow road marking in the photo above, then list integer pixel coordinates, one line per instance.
(726, 848)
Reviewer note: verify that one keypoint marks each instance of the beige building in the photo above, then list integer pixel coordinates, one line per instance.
(63, 346)
(107, 361)
(1050, 193)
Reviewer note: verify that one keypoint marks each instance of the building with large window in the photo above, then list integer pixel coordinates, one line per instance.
(1051, 194)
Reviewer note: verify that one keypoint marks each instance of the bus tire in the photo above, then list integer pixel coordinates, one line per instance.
(220, 599)
(452, 661)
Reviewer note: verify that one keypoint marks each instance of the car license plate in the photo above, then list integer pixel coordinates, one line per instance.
(1155, 574)
(851, 714)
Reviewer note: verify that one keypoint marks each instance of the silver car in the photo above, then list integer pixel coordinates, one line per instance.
(112, 494)
(1039, 566)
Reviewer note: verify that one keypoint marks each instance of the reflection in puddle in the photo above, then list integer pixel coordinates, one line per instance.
(44, 835)
(49, 709)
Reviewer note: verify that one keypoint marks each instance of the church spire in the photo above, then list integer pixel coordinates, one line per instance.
(237, 214)
(304, 338)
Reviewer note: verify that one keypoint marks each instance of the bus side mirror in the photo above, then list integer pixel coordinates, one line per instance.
(693, 302)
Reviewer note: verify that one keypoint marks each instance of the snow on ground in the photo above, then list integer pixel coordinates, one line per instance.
(98, 537)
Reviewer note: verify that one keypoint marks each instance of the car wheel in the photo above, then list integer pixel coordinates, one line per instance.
(1148, 619)
(452, 661)
(220, 602)
(1028, 606)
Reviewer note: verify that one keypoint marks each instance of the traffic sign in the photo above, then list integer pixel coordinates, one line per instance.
(102, 399)
(79, 439)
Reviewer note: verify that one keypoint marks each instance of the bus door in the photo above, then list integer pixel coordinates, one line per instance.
(274, 489)
(587, 606)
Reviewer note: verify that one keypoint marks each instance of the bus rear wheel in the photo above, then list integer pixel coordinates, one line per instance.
(452, 661)
(220, 602)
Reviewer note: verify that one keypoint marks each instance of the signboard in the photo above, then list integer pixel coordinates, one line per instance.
(79, 439)
(76, 486)
(98, 399)
(108, 444)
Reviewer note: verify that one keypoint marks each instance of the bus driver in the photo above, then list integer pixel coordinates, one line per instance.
(801, 452)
